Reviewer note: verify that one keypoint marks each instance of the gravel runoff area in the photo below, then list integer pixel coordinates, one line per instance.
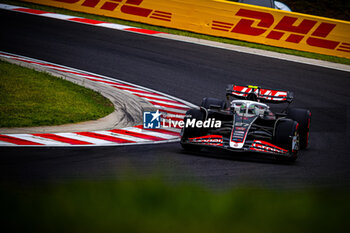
(128, 108)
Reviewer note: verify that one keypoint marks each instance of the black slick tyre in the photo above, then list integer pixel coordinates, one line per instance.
(192, 132)
(286, 136)
(303, 117)
(208, 101)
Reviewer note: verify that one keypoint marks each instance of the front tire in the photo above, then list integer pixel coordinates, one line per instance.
(191, 132)
(287, 137)
(303, 117)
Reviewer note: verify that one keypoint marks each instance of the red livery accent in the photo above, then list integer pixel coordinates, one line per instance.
(269, 144)
(216, 140)
(265, 94)
(267, 147)
(270, 94)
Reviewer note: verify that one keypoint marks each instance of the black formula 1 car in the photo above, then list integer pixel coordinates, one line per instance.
(247, 124)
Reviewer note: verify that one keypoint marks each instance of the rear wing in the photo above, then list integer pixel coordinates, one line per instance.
(259, 94)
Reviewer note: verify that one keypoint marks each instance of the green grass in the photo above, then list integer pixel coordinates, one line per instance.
(152, 205)
(181, 32)
(31, 98)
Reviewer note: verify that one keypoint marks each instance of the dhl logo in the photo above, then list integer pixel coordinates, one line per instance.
(288, 30)
(131, 7)
(287, 25)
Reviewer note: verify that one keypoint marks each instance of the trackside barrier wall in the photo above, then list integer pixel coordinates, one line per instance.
(227, 19)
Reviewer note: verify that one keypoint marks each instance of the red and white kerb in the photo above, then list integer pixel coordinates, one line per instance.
(166, 104)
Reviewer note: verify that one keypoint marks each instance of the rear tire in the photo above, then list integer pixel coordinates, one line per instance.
(303, 117)
(207, 101)
(287, 137)
(192, 132)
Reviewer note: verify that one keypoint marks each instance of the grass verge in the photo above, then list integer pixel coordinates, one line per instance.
(181, 32)
(151, 205)
(31, 98)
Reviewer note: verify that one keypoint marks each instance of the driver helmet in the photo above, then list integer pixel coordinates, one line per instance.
(251, 109)
(243, 108)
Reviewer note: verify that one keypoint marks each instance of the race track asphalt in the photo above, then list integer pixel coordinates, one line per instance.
(189, 72)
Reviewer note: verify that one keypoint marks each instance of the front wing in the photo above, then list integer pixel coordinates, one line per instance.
(249, 146)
